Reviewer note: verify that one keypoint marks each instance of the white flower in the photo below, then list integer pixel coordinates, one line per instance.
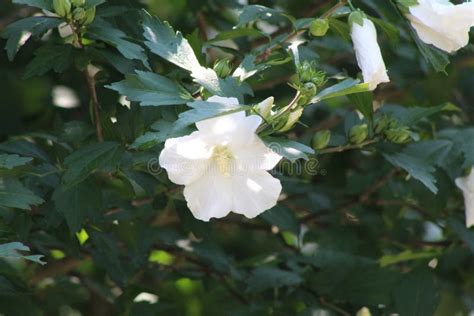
(223, 166)
(368, 53)
(466, 184)
(442, 24)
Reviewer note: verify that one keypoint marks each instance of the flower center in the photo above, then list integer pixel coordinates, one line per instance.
(223, 158)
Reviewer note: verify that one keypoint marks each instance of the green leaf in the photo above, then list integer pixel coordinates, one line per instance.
(163, 41)
(283, 218)
(340, 28)
(410, 116)
(227, 87)
(203, 110)
(289, 149)
(81, 163)
(14, 194)
(42, 4)
(252, 13)
(408, 255)
(416, 167)
(102, 30)
(263, 278)
(248, 68)
(465, 234)
(71, 202)
(437, 58)
(391, 31)
(151, 89)
(36, 25)
(345, 87)
(93, 3)
(50, 57)
(12, 251)
(11, 161)
(364, 103)
(236, 33)
(417, 294)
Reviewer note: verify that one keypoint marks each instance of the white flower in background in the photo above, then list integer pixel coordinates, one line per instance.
(442, 24)
(368, 54)
(466, 184)
(223, 166)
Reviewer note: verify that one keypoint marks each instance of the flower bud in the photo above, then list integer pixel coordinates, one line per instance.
(78, 3)
(364, 311)
(264, 108)
(357, 17)
(358, 133)
(400, 135)
(309, 89)
(90, 16)
(319, 27)
(79, 14)
(222, 67)
(321, 139)
(62, 7)
(381, 124)
(292, 119)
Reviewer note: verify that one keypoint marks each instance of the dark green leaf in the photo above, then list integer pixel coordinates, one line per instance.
(50, 57)
(12, 161)
(36, 25)
(283, 218)
(12, 251)
(14, 194)
(42, 4)
(264, 278)
(84, 161)
(364, 103)
(348, 86)
(151, 89)
(289, 149)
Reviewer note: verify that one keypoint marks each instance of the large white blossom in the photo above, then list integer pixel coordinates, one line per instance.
(368, 54)
(442, 24)
(223, 166)
(466, 184)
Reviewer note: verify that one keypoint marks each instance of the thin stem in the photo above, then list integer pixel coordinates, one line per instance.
(329, 12)
(347, 147)
(95, 104)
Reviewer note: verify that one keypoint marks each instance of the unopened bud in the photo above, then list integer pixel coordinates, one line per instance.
(398, 135)
(79, 14)
(364, 311)
(309, 89)
(264, 108)
(292, 119)
(358, 133)
(222, 67)
(381, 124)
(357, 17)
(78, 3)
(321, 139)
(90, 16)
(62, 7)
(319, 27)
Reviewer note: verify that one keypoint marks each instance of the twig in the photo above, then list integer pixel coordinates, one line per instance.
(95, 104)
(347, 147)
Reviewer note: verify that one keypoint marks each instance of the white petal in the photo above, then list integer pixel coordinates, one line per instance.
(185, 158)
(442, 23)
(254, 193)
(466, 184)
(210, 196)
(368, 54)
(256, 156)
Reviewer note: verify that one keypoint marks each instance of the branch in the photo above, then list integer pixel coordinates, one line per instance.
(347, 147)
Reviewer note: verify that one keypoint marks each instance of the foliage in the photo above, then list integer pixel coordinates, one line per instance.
(369, 215)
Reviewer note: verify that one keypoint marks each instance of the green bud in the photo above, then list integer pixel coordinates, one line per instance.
(292, 118)
(62, 7)
(78, 3)
(223, 67)
(319, 27)
(264, 108)
(79, 14)
(392, 123)
(381, 124)
(357, 17)
(399, 135)
(321, 139)
(308, 72)
(358, 133)
(90, 16)
(309, 89)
